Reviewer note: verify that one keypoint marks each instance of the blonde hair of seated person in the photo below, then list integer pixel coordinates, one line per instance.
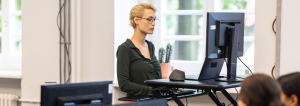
(260, 90)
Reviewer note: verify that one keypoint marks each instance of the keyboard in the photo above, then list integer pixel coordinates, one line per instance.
(192, 77)
(183, 91)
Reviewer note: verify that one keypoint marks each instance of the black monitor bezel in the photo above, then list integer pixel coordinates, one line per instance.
(50, 93)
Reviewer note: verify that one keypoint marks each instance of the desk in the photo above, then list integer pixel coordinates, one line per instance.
(207, 86)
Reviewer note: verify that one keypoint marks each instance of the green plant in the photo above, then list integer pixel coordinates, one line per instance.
(163, 52)
(168, 53)
(161, 55)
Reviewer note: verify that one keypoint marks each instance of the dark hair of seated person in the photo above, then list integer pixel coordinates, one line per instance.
(260, 90)
(291, 88)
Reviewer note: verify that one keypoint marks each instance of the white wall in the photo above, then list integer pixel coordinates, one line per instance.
(284, 49)
(40, 59)
(289, 53)
(41, 49)
(97, 23)
(283, 46)
(265, 13)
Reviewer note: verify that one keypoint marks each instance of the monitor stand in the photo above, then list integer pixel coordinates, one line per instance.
(231, 31)
(229, 80)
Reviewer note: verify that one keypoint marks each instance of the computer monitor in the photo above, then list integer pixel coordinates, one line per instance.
(89, 94)
(225, 39)
(153, 102)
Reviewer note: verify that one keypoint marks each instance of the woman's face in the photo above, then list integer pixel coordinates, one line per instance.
(146, 25)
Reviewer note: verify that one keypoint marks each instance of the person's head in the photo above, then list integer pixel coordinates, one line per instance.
(290, 89)
(142, 18)
(260, 90)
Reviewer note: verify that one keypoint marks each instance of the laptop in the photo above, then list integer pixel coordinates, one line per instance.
(211, 69)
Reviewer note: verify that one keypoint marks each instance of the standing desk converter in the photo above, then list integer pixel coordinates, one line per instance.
(206, 87)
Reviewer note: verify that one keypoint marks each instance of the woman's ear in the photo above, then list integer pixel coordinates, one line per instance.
(294, 100)
(136, 20)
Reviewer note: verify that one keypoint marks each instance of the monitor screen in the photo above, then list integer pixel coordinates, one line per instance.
(51, 93)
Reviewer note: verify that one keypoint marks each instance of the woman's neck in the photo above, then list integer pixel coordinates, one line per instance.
(138, 38)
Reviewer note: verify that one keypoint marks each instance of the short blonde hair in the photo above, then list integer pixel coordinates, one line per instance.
(138, 11)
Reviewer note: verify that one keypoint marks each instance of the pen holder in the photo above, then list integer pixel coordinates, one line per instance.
(165, 70)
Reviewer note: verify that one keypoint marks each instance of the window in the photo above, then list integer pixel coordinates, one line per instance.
(183, 26)
(10, 34)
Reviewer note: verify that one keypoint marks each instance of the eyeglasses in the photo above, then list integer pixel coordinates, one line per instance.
(150, 20)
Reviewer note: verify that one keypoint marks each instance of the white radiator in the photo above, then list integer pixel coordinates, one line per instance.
(8, 99)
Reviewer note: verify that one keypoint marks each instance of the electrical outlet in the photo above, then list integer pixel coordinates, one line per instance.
(247, 72)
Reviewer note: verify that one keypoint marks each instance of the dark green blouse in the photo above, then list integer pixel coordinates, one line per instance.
(133, 69)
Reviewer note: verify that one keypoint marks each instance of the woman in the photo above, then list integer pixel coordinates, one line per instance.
(260, 90)
(290, 89)
(136, 61)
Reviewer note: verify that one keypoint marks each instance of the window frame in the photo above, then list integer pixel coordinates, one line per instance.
(194, 67)
(9, 60)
